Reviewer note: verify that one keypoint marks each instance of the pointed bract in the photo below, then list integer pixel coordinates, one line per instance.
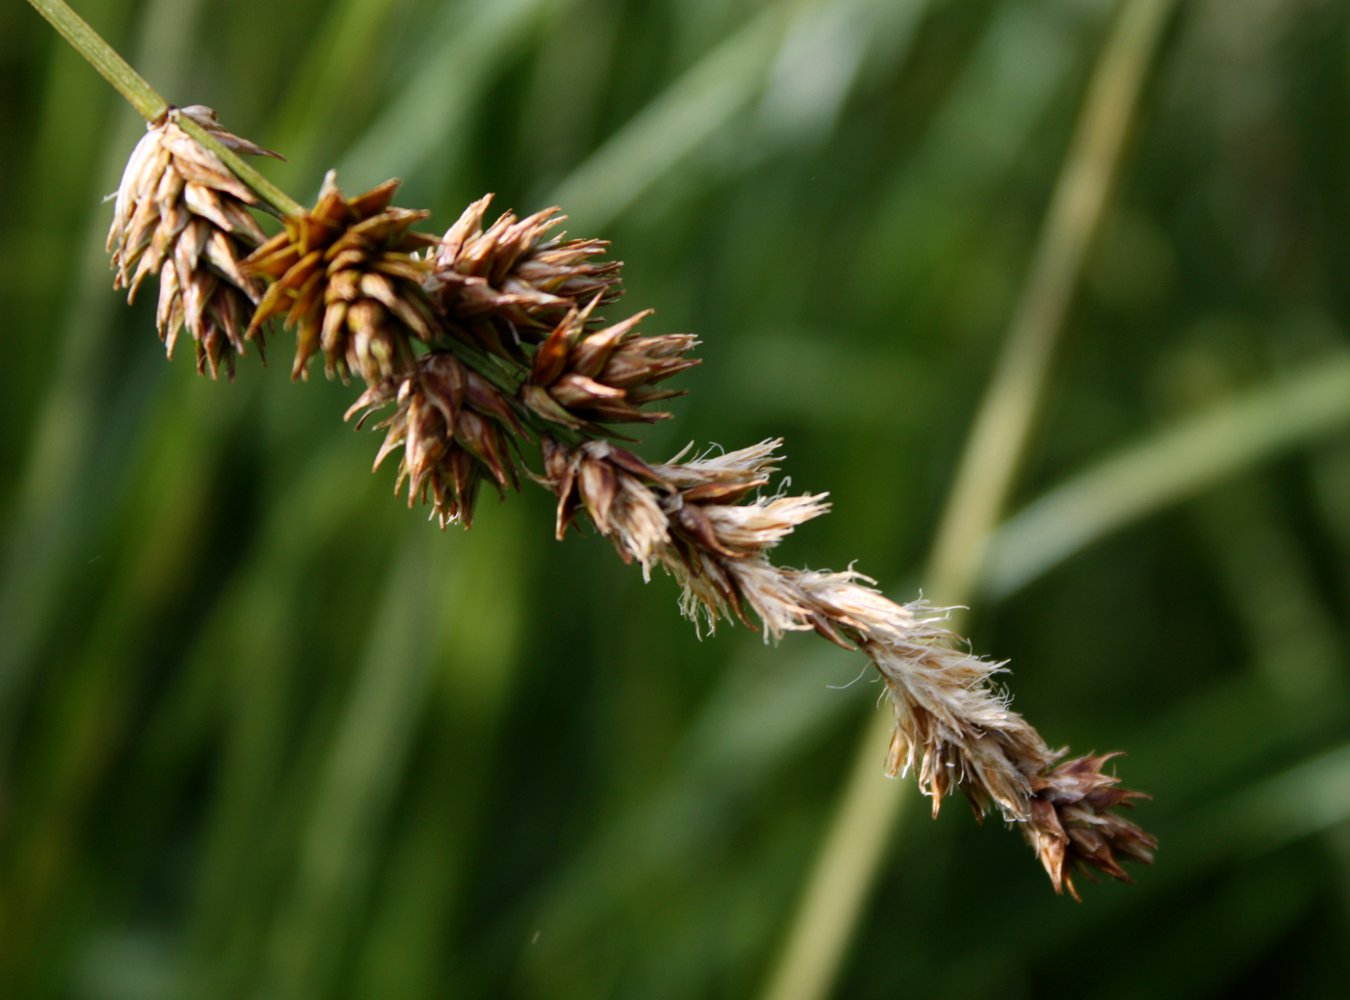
(580, 377)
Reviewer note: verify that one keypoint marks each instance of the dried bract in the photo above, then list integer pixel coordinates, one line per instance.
(1072, 825)
(183, 216)
(345, 277)
(513, 282)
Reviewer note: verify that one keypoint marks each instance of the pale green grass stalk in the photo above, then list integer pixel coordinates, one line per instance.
(855, 844)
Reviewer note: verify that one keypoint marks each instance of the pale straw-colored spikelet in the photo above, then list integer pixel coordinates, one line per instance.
(953, 727)
(182, 216)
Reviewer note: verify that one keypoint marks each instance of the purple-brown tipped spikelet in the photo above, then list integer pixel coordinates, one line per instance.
(607, 375)
(704, 522)
(345, 278)
(182, 216)
(513, 282)
(1072, 825)
(455, 430)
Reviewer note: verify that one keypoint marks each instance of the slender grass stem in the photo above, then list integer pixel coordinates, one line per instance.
(1003, 425)
(272, 196)
(855, 843)
(103, 57)
(147, 101)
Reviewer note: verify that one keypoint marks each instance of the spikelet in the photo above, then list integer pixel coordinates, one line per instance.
(345, 278)
(577, 376)
(512, 283)
(182, 216)
(455, 431)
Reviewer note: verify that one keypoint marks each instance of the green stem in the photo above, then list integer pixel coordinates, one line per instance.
(144, 98)
(272, 196)
(103, 57)
(147, 101)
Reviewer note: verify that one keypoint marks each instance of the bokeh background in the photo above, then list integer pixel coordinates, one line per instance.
(265, 733)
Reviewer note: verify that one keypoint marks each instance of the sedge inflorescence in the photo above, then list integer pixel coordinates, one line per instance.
(491, 341)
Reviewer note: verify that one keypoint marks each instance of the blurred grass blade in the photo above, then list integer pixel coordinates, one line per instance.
(1171, 466)
(357, 784)
(52, 518)
(1309, 798)
(428, 111)
(349, 36)
(696, 106)
(854, 844)
(692, 108)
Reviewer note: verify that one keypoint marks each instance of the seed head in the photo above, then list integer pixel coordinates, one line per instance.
(455, 430)
(513, 282)
(183, 216)
(345, 278)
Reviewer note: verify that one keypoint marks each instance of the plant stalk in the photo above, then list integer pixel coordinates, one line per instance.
(103, 57)
(147, 101)
(273, 198)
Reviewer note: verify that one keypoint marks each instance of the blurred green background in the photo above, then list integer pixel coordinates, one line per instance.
(264, 733)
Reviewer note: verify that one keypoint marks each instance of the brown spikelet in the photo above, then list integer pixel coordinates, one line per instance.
(577, 377)
(183, 216)
(455, 430)
(1072, 824)
(513, 282)
(345, 278)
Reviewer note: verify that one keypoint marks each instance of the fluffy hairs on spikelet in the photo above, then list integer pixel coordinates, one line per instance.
(699, 521)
